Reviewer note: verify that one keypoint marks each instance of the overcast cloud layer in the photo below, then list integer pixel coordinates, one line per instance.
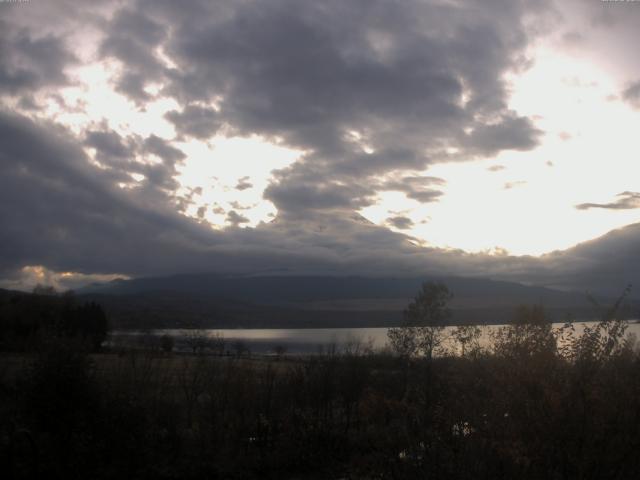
(371, 92)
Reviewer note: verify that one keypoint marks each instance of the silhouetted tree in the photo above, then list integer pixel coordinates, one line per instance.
(467, 336)
(29, 320)
(94, 325)
(424, 322)
(166, 343)
(279, 350)
(197, 340)
(44, 290)
(530, 333)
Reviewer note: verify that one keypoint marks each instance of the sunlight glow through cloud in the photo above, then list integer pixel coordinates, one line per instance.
(524, 208)
(95, 99)
(214, 166)
(217, 167)
(528, 208)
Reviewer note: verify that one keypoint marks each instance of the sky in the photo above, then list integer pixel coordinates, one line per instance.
(362, 137)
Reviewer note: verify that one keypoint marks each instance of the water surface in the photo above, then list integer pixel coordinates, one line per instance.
(300, 340)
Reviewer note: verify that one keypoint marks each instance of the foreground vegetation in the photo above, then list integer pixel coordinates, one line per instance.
(536, 403)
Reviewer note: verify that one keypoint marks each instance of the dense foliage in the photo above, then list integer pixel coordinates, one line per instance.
(29, 320)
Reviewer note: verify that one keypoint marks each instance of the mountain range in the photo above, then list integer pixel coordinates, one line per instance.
(229, 301)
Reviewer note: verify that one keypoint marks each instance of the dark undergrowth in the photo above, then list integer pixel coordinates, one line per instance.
(520, 410)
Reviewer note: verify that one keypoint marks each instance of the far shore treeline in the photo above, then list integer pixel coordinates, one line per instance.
(29, 320)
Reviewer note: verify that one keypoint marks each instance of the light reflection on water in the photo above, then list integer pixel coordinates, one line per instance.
(307, 340)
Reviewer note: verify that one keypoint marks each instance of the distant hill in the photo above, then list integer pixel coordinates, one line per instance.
(301, 290)
(211, 300)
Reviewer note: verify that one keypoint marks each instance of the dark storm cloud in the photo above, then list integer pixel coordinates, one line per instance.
(306, 196)
(400, 222)
(416, 187)
(59, 211)
(184, 201)
(362, 163)
(235, 219)
(370, 91)
(195, 121)
(309, 73)
(625, 201)
(62, 213)
(509, 133)
(243, 184)
(122, 157)
(108, 143)
(132, 38)
(29, 61)
(632, 94)
(606, 264)
(163, 149)
(161, 174)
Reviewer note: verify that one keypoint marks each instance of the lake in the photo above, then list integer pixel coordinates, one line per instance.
(296, 340)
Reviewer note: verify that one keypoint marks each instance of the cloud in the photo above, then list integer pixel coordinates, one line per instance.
(30, 276)
(400, 222)
(238, 206)
(407, 78)
(218, 210)
(599, 35)
(496, 168)
(108, 143)
(510, 132)
(195, 121)
(305, 196)
(163, 149)
(510, 185)
(235, 219)
(62, 213)
(573, 38)
(29, 61)
(632, 94)
(625, 201)
(372, 92)
(420, 188)
(564, 136)
(122, 157)
(243, 184)
(606, 264)
(132, 36)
